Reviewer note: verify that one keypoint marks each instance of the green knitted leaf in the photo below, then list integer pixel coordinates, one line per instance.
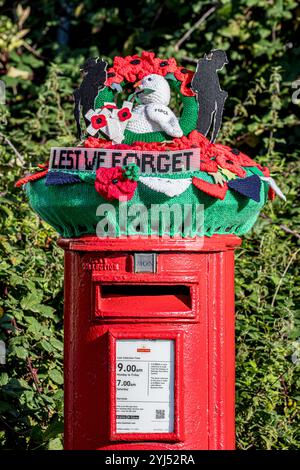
(72, 212)
(87, 177)
(131, 96)
(131, 171)
(170, 76)
(134, 97)
(146, 91)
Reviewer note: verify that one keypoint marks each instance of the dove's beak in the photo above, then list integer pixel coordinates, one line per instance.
(137, 84)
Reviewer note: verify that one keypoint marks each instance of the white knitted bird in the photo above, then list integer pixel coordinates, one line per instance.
(154, 114)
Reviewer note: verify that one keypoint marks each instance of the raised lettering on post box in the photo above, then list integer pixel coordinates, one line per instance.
(144, 386)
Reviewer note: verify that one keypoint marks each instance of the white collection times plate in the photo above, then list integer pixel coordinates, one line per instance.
(145, 386)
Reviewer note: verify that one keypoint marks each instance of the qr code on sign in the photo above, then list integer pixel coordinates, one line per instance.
(160, 414)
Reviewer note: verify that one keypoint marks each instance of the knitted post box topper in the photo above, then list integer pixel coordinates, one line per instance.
(141, 154)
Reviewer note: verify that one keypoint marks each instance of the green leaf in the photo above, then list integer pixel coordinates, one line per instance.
(55, 429)
(3, 378)
(46, 345)
(55, 444)
(31, 301)
(20, 352)
(56, 376)
(34, 325)
(57, 343)
(46, 310)
(5, 407)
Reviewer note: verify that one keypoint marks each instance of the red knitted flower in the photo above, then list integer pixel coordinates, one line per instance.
(164, 66)
(111, 184)
(98, 121)
(132, 67)
(95, 142)
(124, 114)
(113, 77)
(186, 86)
(198, 140)
(208, 163)
(148, 59)
(136, 67)
(229, 162)
(237, 156)
(181, 73)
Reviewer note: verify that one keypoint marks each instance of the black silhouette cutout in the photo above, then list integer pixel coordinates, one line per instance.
(210, 97)
(93, 81)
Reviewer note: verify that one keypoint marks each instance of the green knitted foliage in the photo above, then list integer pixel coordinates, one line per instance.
(71, 209)
(187, 121)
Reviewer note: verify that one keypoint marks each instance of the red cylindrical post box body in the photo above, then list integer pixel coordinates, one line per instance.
(149, 343)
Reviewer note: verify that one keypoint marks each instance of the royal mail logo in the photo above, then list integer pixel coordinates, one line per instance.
(143, 349)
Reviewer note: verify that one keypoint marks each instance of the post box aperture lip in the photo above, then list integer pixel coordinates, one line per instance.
(178, 432)
(153, 300)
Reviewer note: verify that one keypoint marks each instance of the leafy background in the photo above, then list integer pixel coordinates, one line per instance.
(42, 45)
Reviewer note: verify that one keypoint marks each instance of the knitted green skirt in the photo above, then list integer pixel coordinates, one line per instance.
(77, 209)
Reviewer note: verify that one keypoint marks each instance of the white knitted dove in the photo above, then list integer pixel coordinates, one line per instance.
(153, 114)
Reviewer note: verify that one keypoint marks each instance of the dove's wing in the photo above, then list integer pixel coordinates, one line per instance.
(165, 118)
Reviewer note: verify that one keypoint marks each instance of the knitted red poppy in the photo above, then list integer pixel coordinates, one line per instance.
(113, 77)
(111, 184)
(164, 66)
(180, 73)
(136, 67)
(98, 121)
(131, 67)
(238, 157)
(124, 114)
(186, 86)
(229, 163)
(95, 142)
(198, 140)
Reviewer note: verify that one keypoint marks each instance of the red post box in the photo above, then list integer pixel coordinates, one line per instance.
(149, 320)
(149, 343)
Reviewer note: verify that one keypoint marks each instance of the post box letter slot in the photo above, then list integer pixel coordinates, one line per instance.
(142, 300)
